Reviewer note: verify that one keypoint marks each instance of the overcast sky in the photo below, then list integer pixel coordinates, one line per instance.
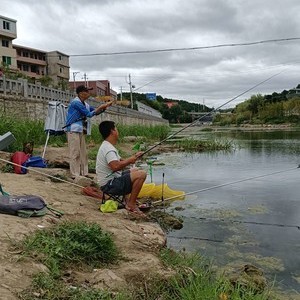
(209, 75)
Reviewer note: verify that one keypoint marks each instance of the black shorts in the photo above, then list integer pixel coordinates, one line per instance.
(119, 186)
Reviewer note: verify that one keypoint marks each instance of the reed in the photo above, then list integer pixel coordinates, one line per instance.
(204, 145)
(26, 130)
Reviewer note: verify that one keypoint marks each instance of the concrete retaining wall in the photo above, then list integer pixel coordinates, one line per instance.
(36, 109)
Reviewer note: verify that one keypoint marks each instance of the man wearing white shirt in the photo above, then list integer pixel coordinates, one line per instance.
(112, 176)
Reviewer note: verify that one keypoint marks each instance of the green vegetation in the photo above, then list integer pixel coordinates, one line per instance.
(156, 132)
(276, 108)
(68, 245)
(26, 130)
(71, 244)
(263, 110)
(194, 279)
(193, 276)
(176, 114)
(203, 145)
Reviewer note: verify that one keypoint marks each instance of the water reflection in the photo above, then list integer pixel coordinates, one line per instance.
(247, 221)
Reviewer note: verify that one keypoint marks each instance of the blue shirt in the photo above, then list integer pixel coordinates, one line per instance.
(77, 110)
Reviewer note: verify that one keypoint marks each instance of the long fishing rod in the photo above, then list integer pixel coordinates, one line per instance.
(209, 113)
(41, 173)
(228, 183)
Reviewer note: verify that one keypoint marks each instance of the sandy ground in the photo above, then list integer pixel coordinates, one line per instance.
(138, 240)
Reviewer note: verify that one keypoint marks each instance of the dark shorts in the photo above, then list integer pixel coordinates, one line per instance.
(118, 186)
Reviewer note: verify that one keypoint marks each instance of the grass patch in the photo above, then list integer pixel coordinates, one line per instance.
(203, 145)
(71, 244)
(195, 279)
(68, 245)
(26, 130)
(77, 244)
(47, 288)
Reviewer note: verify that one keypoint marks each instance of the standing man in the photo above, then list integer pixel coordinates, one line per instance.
(78, 125)
(110, 169)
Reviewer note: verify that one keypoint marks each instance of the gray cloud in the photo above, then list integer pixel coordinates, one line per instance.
(216, 75)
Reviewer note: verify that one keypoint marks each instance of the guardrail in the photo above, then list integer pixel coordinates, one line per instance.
(37, 92)
(21, 87)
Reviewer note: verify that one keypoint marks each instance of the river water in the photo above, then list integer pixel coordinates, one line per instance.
(247, 208)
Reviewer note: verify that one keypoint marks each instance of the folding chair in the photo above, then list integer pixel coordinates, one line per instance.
(119, 198)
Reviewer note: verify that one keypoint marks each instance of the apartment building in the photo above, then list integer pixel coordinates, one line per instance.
(58, 66)
(29, 61)
(8, 32)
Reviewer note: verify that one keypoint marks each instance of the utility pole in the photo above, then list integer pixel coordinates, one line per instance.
(85, 79)
(130, 86)
(121, 93)
(74, 76)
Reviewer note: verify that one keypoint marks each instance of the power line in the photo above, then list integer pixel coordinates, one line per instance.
(187, 48)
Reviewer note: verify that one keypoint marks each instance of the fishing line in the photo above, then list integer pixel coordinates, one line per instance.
(247, 222)
(42, 173)
(209, 113)
(230, 183)
(195, 238)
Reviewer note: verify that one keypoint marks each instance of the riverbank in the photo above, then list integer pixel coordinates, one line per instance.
(138, 241)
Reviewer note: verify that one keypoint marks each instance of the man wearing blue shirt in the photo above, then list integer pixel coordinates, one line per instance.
(78, 125)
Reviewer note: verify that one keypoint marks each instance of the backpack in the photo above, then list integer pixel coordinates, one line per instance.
(25, 206)
(19, 158)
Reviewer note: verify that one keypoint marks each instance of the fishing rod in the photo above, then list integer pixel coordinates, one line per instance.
(209, 113)
(228, 183)
(41, 173)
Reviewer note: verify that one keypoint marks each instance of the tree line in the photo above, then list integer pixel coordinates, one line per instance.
(275, 108)
(178, 112)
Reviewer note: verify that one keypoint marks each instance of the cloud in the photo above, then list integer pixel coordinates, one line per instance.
(216, 74)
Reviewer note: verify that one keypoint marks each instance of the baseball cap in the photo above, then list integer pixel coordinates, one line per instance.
(82, 88)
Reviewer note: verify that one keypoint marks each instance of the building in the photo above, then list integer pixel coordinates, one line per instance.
(171, 103)
(58, 66)
(31, 62)
(101, 89)
(8, 32)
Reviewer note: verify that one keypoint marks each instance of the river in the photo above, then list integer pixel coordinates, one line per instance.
(247, 208)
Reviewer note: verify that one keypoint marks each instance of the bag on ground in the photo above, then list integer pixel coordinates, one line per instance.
(26, 206)
(35, 161)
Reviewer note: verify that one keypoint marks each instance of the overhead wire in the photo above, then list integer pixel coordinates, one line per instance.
(187, 48)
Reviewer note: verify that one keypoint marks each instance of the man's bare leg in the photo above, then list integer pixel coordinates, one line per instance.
(138, 178)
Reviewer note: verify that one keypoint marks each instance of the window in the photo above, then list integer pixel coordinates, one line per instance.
(33, 69)
(5, 43)
(25, 54)
(6, 25)
(61, 70)
(6, 60)
(25, 68)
